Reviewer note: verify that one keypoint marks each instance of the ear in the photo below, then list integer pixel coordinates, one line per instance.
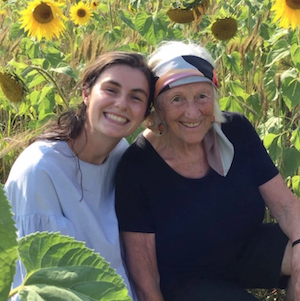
(86, 98)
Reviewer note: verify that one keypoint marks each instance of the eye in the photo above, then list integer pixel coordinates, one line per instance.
(111, 90)
(203, 96)
(176, 99)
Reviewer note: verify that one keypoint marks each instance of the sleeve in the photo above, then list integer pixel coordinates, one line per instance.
(35, 205)
(263, 167)
(132, 206)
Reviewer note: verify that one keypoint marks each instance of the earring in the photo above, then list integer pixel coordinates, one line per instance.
(213, 119)
(161, 128)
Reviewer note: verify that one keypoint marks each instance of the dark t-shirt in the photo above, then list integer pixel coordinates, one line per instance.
(201, 224)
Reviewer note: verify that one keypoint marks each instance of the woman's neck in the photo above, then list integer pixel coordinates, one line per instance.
(91, 149)
(188, 160)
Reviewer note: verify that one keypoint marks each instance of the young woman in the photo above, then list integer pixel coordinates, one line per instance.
(64, 180)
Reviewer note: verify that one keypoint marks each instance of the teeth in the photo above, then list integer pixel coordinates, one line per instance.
(191, 125)
(116, 118)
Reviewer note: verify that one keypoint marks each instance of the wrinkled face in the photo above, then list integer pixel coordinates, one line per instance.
(188, 111)
(117, 102)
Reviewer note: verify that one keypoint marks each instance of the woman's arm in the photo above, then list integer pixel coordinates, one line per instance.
(285, 208)
(141, 261)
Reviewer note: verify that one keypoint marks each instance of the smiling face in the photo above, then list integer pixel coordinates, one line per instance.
(188, 111)
(117, 102)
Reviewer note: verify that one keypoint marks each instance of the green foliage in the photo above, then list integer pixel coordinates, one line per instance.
(8, 246)
(58, 267)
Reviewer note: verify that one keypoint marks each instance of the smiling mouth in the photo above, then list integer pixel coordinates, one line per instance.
(191, 124)
(116, 118)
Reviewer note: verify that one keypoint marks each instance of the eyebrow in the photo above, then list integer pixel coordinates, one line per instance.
(139, 90)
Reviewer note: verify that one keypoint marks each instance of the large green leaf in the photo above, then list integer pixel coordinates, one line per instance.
(291, 162)
(8, 246)
(152, 28)
(291, 91)
(127, 18)
(272, 143)
(296, 138)
(230, 104)
(279, 51)
(295, 52)
(233, 62)
(60, 268)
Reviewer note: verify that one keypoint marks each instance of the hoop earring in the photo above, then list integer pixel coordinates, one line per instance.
(213, 119)
(161, 128)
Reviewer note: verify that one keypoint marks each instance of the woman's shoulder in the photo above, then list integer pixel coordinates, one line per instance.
(41, 154)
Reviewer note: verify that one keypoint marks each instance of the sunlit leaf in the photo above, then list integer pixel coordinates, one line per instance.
(295, 52)
(67, 70)
(279, 51)
(8, 246)
(272, 144)
(38, 79)
(270, 84)
(60, 268)
(150, 27)
(296, 185)
(230, 104)
(296, 138)
(291, 91)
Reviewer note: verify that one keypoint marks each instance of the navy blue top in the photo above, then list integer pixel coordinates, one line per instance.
(199, 224)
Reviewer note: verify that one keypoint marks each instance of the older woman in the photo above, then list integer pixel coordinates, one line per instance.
(191, 195)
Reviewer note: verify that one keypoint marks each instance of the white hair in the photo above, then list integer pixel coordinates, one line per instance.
(171, 49)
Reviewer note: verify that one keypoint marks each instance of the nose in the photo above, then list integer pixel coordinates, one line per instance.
(192, 110)
(121, 102)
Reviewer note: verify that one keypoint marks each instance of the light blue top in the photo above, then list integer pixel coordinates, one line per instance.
(50, 189)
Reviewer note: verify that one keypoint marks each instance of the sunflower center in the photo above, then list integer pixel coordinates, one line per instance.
(81, 13)
(293, 4)
(43, 13)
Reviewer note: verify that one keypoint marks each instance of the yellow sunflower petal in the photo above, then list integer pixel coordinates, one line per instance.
(43, 19)
(288, 12)
(80, 13)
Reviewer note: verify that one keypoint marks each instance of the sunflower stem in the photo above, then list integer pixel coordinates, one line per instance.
(158, 7)
(15, 291)
(47, 75)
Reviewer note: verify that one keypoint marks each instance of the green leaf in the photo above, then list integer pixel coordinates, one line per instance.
(150, 27)
(296, 185)
(233, 62)
(296, 138)
(60, 268)
(291, 162)
(273, 145)
(38, 79)
(279, 51)
(270, 84)
(65, 69)
(8, 246)
(295, 52)
(291, 91)
(127, 19)
(230, 104)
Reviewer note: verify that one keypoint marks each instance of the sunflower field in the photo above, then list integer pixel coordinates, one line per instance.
(44, 45)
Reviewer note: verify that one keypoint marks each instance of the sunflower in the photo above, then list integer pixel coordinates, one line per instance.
(12, 86)
(288, 11)
(80, 13)
(94, 5)
(43, 19)
(224, 29)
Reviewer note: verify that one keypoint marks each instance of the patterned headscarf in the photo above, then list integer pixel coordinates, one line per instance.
(182, 70)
